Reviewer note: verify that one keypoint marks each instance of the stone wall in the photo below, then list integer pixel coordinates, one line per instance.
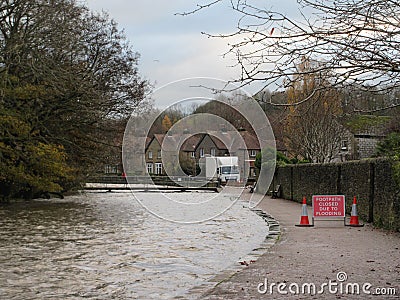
(366, 146)
(370, 181)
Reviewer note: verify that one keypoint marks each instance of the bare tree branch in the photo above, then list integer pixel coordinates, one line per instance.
(358, 41)
(199, 7)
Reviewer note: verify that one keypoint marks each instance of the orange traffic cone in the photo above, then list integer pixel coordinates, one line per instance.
(354, 215)
(304, 215)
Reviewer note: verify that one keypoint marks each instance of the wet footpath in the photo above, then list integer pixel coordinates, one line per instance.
(327, 261)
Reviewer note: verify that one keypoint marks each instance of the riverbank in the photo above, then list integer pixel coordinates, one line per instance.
(319, 256)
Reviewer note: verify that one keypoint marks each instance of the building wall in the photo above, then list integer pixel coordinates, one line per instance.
(366, 146)
(134, 163)
(154, 147)
(246, 164)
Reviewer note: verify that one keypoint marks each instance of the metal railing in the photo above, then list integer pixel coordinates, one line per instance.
(156, 180)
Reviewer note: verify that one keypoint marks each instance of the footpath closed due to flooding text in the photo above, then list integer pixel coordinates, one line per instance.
(328, 206)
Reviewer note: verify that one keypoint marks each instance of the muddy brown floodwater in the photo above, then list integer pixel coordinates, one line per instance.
(106, 246)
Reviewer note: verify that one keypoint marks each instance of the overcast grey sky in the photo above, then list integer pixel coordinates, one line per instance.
(172, 47)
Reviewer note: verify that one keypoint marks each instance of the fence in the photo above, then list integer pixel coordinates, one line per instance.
(156, 180)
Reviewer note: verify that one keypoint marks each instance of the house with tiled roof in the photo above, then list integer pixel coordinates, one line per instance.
(201, 145)
(192, 148)
(153, 155)
(247, 155)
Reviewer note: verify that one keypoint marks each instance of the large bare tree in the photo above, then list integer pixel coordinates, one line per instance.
(312, 128)
(359, 40)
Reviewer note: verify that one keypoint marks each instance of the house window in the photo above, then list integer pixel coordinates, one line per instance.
(159, 154)
(150, 154)
(192, 154)
(150, 168)
(201, 152)
(158, 168)
(345, 146)
(212, 151)
(111, 169)
(253, 153)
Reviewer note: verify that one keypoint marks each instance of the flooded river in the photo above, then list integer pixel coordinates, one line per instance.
(106, 246)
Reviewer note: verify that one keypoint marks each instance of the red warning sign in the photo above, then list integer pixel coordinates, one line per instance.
(328, 206)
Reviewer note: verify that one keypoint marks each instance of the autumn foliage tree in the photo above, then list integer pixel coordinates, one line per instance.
(28, 165)
(166, 123)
